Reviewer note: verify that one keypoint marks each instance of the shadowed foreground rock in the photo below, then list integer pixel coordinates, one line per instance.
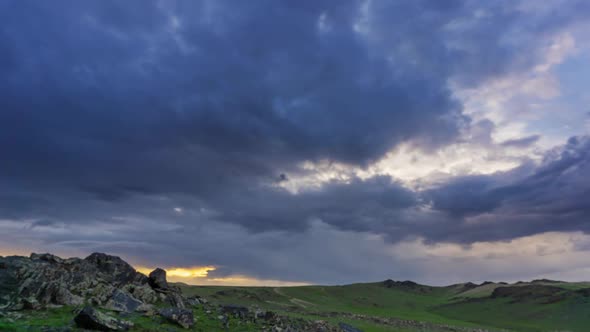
(90, 318)
(182, 317)
(157, 279)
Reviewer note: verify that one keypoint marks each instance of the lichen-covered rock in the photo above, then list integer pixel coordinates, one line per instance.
(92, 319)
(122, 301)
(114, 270)
(142, 292)
(146, 309)
(44, 279)
(182, 317)
(174, 298)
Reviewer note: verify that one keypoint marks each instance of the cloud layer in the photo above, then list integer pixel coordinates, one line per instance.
(171, 132)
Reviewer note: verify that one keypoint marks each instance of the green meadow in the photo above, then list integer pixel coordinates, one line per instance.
(376, 307)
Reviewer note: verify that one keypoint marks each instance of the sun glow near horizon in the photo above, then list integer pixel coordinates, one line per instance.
(199, 275)
(182, 272)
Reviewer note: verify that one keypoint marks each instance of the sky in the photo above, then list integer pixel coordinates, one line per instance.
(300, 142)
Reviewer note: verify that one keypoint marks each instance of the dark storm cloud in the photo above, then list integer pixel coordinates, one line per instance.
(113, 113)
(179, 96)
(205, 97)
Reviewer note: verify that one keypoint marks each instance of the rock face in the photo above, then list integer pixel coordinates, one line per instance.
(44, 279)
(182, 317)
(90, 318)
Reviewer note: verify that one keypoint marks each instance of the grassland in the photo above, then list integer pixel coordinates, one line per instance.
(377, 307)
(535, 306)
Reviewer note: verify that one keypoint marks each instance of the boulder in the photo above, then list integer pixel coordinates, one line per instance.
(122, 301)
(182, 317)
(91, 319)
(146, 309)
(348, 328)
(175, 299)
(114, 270)
(235, 311)
(264, 314)
(171, 294)
(144, 293)
(157, 279)
(193, 301)
(31, 304)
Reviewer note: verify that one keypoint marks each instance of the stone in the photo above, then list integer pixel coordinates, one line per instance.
(175, 299)
(147, 309)
(92, 319)
(348, 328)
(122, 301)
(144, 293)
(114, 270)
(182, 317)
(157, 279)
(193, 301)
(31, 304)
(235, 310)
(264, 314)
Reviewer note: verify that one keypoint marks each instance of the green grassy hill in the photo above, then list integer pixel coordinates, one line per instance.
(541, 305)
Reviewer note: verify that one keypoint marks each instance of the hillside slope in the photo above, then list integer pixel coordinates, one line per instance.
(407, 306)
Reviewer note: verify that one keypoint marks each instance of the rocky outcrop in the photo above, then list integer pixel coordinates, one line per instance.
(92, 319)
(102, 280)
(109, 289)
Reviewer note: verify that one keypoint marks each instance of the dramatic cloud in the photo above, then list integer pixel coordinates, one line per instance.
(551, 197)
(228, 134)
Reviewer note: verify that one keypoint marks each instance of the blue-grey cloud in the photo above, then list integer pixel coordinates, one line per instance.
(521, 142)
(116, 112)
(524, 201)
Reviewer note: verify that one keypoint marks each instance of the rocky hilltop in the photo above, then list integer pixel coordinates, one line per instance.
(45, 280)
(104, 291)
